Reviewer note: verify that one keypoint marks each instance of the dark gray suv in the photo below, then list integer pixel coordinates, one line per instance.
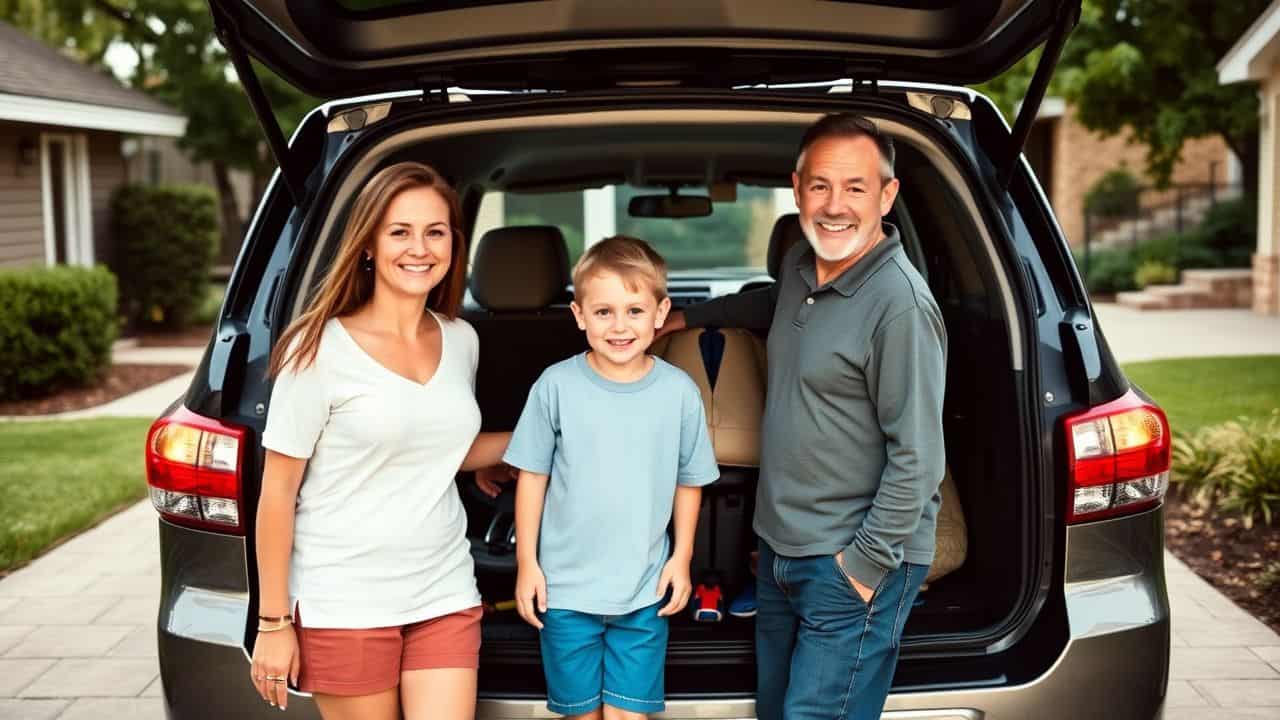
(1055, 604)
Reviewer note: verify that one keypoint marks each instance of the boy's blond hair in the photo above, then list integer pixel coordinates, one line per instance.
(631, 259)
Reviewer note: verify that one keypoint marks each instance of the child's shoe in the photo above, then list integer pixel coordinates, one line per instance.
(708, 600)
(744, 606)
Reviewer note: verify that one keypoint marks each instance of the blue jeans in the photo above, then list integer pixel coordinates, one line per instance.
(821, 651)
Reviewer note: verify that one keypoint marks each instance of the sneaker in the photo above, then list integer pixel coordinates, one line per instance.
(744, 606)
(708, 604)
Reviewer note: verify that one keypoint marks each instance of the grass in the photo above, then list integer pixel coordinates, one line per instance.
(60, 477)
(1196, 392)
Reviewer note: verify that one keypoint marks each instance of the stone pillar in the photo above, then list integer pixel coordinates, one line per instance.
(1266, 260)
(1266, 284)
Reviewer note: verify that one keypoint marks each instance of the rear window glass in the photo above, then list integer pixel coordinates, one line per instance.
(735, 235)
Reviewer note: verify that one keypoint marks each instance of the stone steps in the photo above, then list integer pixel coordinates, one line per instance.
(1231, 288)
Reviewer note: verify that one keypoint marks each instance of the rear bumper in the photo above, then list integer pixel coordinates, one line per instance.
(1114, 664)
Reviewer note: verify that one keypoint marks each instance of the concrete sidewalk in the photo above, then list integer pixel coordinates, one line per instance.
(1136, 335)
(78, 626)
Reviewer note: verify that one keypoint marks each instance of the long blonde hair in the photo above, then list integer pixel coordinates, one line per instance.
(346, 287)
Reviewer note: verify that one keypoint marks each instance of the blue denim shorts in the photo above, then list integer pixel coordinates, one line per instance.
(617, 660)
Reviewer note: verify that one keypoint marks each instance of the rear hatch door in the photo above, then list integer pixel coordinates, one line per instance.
(339, 48)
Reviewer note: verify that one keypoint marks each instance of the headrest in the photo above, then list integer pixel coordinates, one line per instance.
(786, 232)
(520, 268)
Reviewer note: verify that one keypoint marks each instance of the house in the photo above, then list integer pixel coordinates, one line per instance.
(1069, 159)
(62, 131)
(1256, 58)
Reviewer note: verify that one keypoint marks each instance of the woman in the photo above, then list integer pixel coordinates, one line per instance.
(367, 590)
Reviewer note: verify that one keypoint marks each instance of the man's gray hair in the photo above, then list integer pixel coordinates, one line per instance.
(849, 125)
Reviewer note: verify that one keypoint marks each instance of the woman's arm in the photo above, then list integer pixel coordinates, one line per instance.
(281, 478)
(275, 654)
(486, 451)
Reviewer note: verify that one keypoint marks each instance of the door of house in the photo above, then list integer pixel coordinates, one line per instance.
(68, 220)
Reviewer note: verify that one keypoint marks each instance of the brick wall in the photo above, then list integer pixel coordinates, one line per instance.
(1081, 157)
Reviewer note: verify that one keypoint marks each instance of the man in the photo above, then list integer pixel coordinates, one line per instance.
(852, 453)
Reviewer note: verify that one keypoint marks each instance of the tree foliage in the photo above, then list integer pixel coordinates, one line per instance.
(1149, 67)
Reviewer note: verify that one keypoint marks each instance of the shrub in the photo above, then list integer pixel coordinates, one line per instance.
(1111, 271)
(166, 237)
(1255, 485)
(1177, 251)
(1230, 231)
(56, 329)
(1234, 466)
(1114, 195)
(1200, 464)
(1154, 273)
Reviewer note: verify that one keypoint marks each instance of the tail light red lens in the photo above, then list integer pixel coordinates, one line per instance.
(194, 467)
(1119, 455)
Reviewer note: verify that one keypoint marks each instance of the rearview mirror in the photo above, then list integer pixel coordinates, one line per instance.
(669, 206)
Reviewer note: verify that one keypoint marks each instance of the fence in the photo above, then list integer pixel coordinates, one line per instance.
(1155, 212)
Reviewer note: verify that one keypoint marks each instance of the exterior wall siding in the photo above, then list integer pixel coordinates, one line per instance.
(21, 211)
(22, 229)
(107, 172)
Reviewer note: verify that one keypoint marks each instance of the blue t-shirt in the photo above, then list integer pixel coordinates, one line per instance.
(615, 453)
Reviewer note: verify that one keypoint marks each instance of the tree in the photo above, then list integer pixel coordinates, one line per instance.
(1149, 67)
(182, 63)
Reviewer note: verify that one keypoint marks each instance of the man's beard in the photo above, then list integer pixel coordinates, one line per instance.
(855, 243)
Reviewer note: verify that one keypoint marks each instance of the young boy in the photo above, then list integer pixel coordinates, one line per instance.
(610, 442)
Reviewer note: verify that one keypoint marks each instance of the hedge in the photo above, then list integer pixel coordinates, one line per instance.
(56, 329)
(166, 240)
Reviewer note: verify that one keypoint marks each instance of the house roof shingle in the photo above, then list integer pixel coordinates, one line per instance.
(29, 67)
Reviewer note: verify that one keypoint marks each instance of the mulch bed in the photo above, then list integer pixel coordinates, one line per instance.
(117, 381)
(191, 337)
(1242, 564)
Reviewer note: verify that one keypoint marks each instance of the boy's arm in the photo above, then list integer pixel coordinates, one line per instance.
(676, 573)
(531, 585)
(685, 515)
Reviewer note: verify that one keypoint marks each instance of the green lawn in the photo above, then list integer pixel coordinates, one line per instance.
(60, 477)
(1196, 392)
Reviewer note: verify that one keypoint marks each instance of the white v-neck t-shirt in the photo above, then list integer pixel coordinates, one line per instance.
(379, 533)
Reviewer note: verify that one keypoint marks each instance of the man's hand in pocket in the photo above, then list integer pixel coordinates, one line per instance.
(863, 591)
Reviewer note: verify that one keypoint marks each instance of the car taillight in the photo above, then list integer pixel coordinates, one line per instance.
(194, 469)
(1119, 459)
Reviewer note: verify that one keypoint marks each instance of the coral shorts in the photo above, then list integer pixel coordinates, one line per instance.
(366, 661)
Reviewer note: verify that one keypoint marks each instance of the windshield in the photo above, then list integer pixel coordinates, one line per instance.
(734, 237)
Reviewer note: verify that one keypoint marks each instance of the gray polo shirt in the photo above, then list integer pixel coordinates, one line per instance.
(852, 454)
